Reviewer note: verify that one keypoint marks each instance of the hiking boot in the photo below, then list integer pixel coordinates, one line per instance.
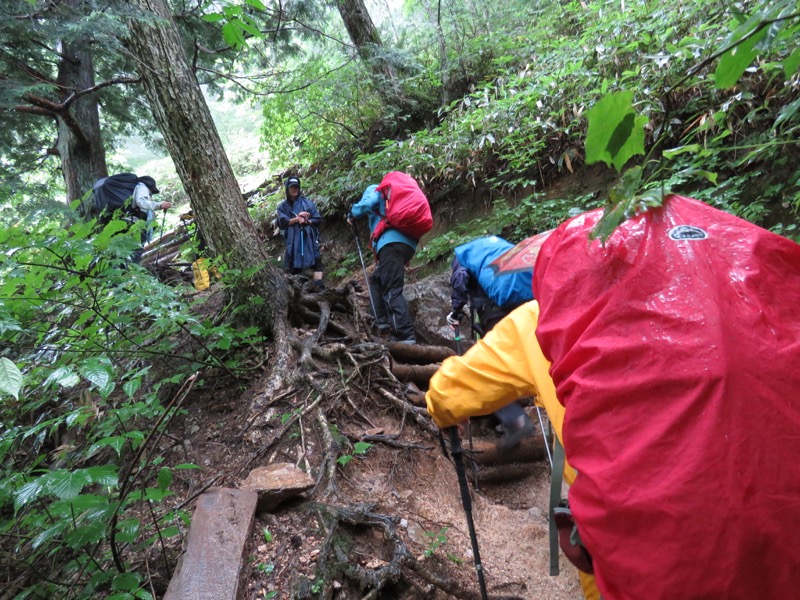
(317, 286)
(514, 435)
(408, 340)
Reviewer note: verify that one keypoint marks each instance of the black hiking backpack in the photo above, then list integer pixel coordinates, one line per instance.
(113, 193)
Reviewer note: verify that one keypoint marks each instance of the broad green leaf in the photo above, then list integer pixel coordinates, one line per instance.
(791, 64)
(624, 202)
(132, 386)
(712, 177)
(128, 530)
(734, 62)
(64, 377)
(28, 493)
(164, 478)
(127, 582)
(615, 133)
(787, 112)
(361, 447)
(213, 17)
(187, 466)
(171, 531)
(105, 475)
(117, 442)
(67, 484)
(79, 504)
(100, 374)
(87, 533)
(50, 533)
(257, 4)
(251, 29)
(233, 35)
(673, 152)
(154, 495)
(10, 378)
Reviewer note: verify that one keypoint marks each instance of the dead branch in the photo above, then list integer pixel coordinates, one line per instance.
(278, 435)
(388, 440)
(420, 416)
(448, 585)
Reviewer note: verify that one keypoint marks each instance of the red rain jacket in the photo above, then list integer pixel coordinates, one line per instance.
(675, 350)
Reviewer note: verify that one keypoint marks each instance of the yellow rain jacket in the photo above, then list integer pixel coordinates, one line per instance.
(505, 365)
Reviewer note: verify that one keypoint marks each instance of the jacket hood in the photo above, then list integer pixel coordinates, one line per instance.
(292, 181)
(150, 183)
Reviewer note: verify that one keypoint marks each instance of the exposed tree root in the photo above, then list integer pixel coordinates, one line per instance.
(348, 376)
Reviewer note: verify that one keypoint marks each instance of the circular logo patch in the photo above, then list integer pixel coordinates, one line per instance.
(687, 232)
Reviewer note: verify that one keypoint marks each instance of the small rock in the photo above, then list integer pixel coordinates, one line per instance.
(376, 563)
(417, 533)
(276, 483)
(404, 523)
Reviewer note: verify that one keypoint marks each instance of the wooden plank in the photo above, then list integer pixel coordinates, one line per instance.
(211, 568)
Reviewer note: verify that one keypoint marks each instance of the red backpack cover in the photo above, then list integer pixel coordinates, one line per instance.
(675, 349)
(407, 208)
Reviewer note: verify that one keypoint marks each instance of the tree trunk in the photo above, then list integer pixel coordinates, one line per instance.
(79, 143)
(182, 115)
(367, 40)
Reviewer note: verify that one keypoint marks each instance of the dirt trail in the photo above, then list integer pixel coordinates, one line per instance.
(510, 522)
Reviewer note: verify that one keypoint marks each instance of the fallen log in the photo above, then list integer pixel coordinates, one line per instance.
(418, 354)
(163, 259)
(485, 452)
(162, 239)
(165, 247)
(510, 472)
(417, 374)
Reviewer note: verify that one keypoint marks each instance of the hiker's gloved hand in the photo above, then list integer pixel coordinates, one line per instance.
(454, 318)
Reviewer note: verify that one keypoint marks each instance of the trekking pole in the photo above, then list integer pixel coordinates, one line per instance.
(544, 435)
(457, 339)
(457, 452)
(364, 267)
(158, 250)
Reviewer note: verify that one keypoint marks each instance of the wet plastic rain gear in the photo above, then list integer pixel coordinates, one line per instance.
(674, 350)
(393, 249)
(302, 240)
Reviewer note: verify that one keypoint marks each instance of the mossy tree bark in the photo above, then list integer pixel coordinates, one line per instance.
(183, 117)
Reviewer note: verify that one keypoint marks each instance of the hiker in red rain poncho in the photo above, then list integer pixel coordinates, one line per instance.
(674, 350)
